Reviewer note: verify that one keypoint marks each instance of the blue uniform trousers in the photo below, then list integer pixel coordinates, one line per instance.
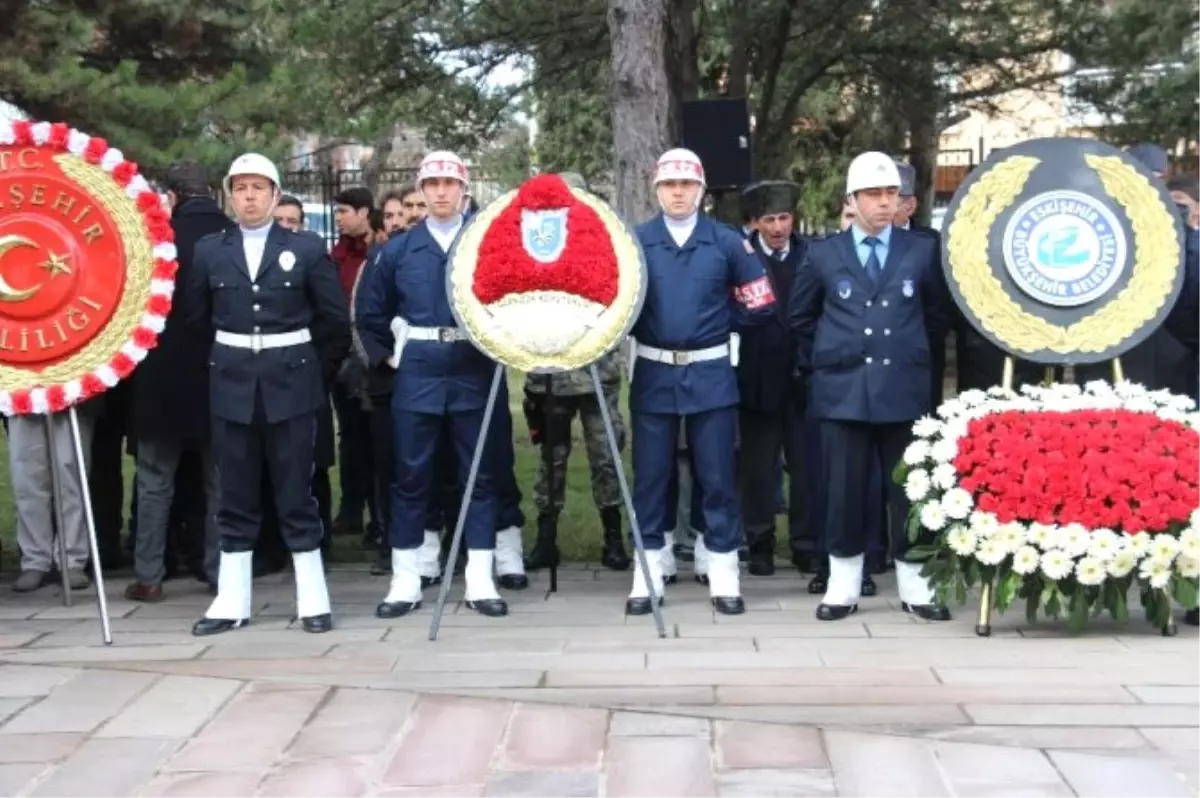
(504, 461)
(287, 449)
(710, 436)
(850, 455)
(417, 437)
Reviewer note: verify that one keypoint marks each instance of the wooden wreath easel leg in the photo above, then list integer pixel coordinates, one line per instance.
(468, 489)
(983, 623)
(634, 527)
(1118, 371)
(548, 443)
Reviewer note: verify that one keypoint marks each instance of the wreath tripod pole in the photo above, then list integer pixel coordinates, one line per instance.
(468, 489)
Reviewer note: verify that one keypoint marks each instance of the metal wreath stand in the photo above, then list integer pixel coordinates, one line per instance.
(476, 459)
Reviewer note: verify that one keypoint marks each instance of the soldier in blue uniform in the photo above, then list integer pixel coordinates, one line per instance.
(683, 358)
(271, 302)
(441, 383)
(865, 306)
(771, 416)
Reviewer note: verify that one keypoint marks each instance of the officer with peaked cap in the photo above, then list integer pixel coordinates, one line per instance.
(771, 411)
(271, 301)
(683, 370)
(865, 306)
(441, 383)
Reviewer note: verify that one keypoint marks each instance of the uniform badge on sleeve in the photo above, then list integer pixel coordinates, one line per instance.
(843, 289)
(755, 294)
(287, 260)
(906, 288)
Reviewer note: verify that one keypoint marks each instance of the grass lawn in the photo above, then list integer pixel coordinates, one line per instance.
(579, 527)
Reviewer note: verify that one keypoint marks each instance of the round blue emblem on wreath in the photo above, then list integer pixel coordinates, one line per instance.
(1064, 248)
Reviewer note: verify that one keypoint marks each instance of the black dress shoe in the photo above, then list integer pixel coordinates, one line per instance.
(316, 624)
(928, 612)
(868, 586)
(492, 608)
(818, 584)
(428, 581)
(701, 578)
(1192, 617)
(640, 606)
(396, 609)
(728, 605)
(670, 580)
(215, 626)
(614, 557)
(805, 563)
(513, 581)
(382, 565)
(835, 612)
(761, 565)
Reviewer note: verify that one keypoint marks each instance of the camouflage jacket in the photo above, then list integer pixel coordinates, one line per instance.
(579, 381)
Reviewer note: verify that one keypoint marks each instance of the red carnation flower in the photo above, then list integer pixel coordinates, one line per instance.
(124, 172)
(145, 338)
(158, 304)
(22, 135)
(59, 134)
(95, 150)
(56, 398)
(22, 403)
(91, 385)
(122, 364)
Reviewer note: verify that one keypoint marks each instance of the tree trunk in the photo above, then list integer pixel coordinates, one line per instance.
(641, 102)
(922, 108)
(381, 152)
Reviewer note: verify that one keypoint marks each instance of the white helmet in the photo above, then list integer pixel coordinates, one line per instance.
(251, 164)
(679, 164)
(871, 170)
(443, 164)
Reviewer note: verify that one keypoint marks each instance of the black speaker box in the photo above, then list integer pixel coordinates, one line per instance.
(719, 132)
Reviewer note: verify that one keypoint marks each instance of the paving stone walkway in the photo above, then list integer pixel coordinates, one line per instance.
(567, 697)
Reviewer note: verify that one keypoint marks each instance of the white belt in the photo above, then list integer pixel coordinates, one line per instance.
(405, 332)
(256, 342)
(672, 358)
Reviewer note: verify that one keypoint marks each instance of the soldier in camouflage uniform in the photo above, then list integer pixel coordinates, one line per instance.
(551, 402)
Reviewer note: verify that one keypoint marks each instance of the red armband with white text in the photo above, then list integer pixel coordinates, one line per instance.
(755, 294)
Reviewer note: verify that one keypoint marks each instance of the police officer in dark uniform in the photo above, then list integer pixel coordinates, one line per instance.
(771, 413)
(682, 361)
(865, 306)
(279, 325)
(441, 382)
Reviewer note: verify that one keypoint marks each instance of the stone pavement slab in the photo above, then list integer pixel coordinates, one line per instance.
(568, 697)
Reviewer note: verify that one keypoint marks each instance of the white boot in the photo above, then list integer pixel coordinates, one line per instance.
(510, 562)
(667, 558)
(231, 608)
(639, 596)
(405, 587)
(428, 556)
(312, 594)
(914, 588)
(481, 594)
(724, 589)
(845, 581)
(701, 563)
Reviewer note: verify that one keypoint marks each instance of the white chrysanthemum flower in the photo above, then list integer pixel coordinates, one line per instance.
(1010, 536)
(1194, 519)
(956, 428)
(1090, 571)
(1041, 535)
(944, 450)
(1127, 390)
(916, 453)
(1120, 565)
(991, 552)
(1187, 567)
(1026, 560)
(950, 409)
(1140, 404)
(1104, 544)
(1156, 572)
(933, 516)
(972, 397)
(1098, 388)
(1184, 403)
(926, 427)
(983, 524)
(1074, 539)
(916, 485)
(961, 540)
(1138, 544)
(998, 391)
(1189, 544)
(1163, 548)
(1056, 564)
(945, 476)
(957, 503)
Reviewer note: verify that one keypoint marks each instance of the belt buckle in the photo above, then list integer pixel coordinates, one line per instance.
(256, 342)
(681, 358)
(446, 335)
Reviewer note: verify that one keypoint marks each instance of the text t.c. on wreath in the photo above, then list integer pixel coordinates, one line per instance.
(546, 278)
(87, 267)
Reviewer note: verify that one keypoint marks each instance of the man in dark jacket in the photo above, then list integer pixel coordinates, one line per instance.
(170, 396)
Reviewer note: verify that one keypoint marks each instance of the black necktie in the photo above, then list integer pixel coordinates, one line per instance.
(874, 267)
(778, 256)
